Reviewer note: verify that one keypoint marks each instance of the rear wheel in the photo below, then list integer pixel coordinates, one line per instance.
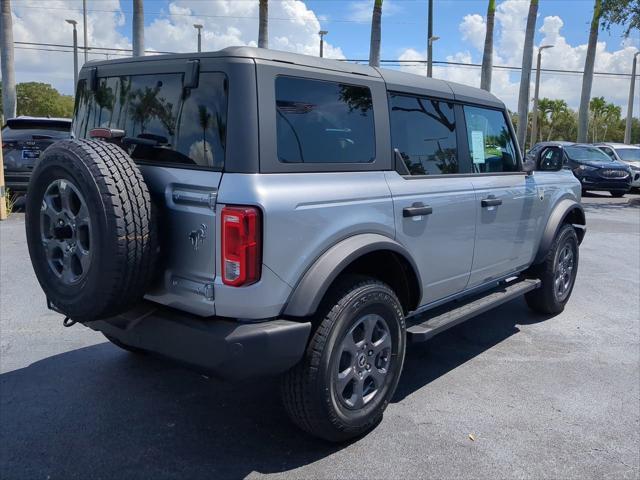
(617, 194)
(557, 272)
(353, 362)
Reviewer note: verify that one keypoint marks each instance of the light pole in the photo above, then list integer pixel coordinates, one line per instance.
(322, 33)
(627, 128)
(430, 55)
(84, 16)
(75, 54)
(198, 27)
(534, 121)
(429, 38)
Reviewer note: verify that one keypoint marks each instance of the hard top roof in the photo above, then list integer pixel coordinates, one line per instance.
(395, 80)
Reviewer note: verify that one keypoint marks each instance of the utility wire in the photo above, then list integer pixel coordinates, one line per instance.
(396, 62)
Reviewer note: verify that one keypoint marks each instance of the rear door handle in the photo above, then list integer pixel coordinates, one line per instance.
(416, 210)
(490, 202)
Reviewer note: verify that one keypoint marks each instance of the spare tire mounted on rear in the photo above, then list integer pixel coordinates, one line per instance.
(89, 226)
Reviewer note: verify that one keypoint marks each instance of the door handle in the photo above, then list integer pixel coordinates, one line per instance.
(490, 202)
(416, 210)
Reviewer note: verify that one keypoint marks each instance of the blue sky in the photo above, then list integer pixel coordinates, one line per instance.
(294, 25)
(405, 23)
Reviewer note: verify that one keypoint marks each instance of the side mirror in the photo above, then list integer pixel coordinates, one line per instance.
(549, 159)
(528, 166)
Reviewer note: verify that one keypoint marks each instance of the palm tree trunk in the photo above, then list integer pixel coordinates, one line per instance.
(263, 24)
(8, 67)
(374, 48)
(487, 57)
(138, 28)
(587, 77)
(525, 79)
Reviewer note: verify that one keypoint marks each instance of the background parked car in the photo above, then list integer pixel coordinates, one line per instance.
(629, 154)
(23, 139)
(594, 168)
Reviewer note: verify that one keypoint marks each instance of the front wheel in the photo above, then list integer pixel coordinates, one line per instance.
(557, 272)
(353, 362)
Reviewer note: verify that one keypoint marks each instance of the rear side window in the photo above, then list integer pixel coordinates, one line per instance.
(490, 142)
(163, 122)
(424, 132)
(323, 122)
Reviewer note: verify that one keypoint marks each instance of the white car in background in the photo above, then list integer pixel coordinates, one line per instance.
(629, 154)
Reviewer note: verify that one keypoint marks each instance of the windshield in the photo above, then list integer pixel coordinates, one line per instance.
(587, 154)
(629, 154)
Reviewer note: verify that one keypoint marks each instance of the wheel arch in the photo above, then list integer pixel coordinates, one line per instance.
(369, 254)
(567, 211)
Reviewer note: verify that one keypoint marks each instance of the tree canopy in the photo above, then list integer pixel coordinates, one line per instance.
(621, 12)
(42, 100)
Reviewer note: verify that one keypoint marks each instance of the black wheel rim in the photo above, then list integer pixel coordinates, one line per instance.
(65, 229)
(563, 279)
(364, 360)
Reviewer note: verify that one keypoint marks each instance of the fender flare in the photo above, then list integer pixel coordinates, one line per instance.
(562, 210)
(306, 296)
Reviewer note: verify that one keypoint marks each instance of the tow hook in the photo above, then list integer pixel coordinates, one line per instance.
(67, 322)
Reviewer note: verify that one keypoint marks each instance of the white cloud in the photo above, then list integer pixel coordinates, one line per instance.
(362, 10)
(293, 27)
(511, 17)
(473, 29)
(32, 23)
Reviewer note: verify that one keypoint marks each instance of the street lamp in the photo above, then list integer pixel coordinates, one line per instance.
(75, 53)
(199, 27)
(627, 128)
(430, 55)
(322, 33)
(534, 121)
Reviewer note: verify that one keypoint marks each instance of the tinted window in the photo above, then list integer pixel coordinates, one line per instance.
(629, 154)
(490, 143)
(34, 133)
(609, 152)
(424, 132)
(323, 122)
(163, 122)
(587, 154)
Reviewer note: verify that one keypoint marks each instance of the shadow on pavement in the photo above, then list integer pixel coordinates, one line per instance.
(105, 413)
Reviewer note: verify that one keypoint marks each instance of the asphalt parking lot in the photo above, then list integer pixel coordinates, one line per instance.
(543, 397)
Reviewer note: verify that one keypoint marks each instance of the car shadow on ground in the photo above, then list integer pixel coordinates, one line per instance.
(106, 413)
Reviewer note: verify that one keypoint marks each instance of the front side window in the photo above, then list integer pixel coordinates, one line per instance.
(163, 122)
(424, 132)
(323, 122)
(490, 143)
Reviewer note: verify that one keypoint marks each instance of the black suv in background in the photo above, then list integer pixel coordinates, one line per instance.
(23, 139)
(594, 168)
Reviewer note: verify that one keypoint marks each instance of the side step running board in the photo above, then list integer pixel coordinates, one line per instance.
(445, 317)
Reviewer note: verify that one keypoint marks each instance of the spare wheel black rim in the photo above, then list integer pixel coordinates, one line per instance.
(363, 363)
(65, 229)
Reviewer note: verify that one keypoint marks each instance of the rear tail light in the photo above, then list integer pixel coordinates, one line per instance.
(241, 245)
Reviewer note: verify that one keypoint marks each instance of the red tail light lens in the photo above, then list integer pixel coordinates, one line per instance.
(241, 245)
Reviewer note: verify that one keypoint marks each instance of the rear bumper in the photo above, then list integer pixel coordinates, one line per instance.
(17, 181)
(226, 348)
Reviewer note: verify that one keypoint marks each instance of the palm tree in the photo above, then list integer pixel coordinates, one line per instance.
(138, 28)
(587, 77)
(8, 68)
(263, 24)
(374, 48)
(487, 57)
(525, 79)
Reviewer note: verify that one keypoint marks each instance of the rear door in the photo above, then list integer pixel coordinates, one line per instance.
(175, 127)
(508, 203)
(434, 204)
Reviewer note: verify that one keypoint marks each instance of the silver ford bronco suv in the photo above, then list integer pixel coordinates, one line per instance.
(252, 212)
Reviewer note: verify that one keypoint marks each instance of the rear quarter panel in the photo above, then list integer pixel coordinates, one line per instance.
(304, 214)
